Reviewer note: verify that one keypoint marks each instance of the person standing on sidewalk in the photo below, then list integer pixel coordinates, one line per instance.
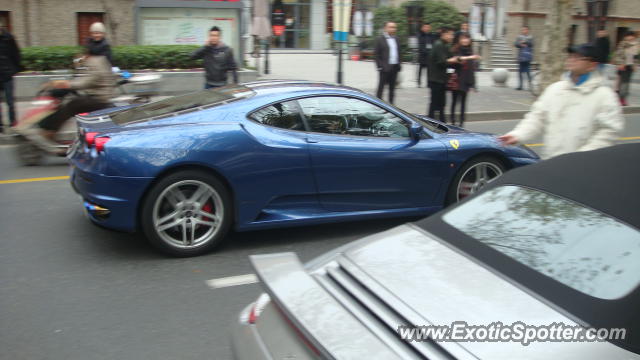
(426, 38)
(98, 43)
(465, 75)
(218, 60)
(603, 46)
(439, 62)
(524, 43)
(464, 30)
(577, 113)
(387, 54)
(9, 66)
(625, 59)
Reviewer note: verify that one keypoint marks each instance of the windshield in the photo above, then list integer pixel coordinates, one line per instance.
(204, 98)
(575, 245)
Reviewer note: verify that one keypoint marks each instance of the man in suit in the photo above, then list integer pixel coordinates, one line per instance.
(388, 59)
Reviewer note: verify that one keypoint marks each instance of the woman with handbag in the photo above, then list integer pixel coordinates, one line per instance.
(463, 78)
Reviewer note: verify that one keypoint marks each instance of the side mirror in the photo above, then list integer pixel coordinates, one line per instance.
(415, 131)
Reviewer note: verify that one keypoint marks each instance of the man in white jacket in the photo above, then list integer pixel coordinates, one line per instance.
(577, 113)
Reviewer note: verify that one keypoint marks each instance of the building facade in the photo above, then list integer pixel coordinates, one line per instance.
(308, 23)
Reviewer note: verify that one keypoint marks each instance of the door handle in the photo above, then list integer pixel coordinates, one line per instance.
(311, 141)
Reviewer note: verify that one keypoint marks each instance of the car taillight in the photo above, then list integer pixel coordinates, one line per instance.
(258, 307)
(90, 137)
(100, 142)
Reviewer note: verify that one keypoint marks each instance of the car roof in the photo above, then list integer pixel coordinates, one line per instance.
(602, 179)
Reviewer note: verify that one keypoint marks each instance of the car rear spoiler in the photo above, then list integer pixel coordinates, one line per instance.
(328, 325)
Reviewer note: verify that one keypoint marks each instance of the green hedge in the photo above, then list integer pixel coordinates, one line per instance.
(133, 57)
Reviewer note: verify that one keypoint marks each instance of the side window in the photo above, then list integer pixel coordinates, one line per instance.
(281, 115)
(348, 116)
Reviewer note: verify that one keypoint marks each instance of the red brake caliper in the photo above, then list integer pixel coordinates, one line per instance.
(208, 208)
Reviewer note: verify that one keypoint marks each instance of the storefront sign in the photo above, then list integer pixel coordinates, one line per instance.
(277, 21)
(166, 26)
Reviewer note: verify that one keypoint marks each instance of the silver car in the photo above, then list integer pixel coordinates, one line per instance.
(551, 244)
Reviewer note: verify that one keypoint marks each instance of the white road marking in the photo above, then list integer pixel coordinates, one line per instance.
(232, 281)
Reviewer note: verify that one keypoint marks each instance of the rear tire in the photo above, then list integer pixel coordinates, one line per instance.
(472, 176)
(187, 213)
(27, 153)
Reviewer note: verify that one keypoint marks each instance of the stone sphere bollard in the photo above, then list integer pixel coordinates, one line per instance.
(500, 77)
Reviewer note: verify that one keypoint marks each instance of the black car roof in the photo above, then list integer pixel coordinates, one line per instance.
(601, 179)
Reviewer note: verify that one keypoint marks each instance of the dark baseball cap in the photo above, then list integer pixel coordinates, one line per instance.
(586, 50)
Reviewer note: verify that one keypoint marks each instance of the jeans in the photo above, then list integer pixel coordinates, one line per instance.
(438, 100)
(388, 78)
(524, 68)
(54, 121)
(462, 96)
(7, 91)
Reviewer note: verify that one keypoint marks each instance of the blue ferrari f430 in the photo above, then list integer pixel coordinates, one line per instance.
(266, 154)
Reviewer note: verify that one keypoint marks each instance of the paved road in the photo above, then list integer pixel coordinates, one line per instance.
(71, 290)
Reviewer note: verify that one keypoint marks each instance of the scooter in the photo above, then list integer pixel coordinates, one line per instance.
(30, 151)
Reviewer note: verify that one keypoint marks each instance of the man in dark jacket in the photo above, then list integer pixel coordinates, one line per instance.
(97, 43)
(603, 47)
(218, 59)
(438, 63)
(387, 52)
(426, 38)
(9, 66)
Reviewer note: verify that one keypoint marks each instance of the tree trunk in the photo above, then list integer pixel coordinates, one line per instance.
(555, 42)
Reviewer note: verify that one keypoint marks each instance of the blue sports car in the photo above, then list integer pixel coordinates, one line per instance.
(187, 169)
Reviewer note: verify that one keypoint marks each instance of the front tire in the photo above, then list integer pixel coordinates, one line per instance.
(473, 176)
(187, 213)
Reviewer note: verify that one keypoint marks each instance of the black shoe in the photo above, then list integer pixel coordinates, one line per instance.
(519, 88)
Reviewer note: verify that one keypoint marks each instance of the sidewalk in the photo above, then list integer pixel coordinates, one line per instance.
(489, 103)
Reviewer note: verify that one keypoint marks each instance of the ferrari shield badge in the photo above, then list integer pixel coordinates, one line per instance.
(454, 143)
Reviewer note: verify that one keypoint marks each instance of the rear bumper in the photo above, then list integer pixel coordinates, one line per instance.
(120, 195)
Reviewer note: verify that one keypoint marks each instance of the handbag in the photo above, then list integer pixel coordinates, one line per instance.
(453, 82)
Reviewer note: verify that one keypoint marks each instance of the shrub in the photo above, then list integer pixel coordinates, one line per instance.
(436, 12)
(133, 57)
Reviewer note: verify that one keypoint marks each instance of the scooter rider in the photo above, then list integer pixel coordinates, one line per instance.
(97, 82)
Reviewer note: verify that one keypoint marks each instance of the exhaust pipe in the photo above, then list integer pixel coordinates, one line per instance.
(97, 211)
